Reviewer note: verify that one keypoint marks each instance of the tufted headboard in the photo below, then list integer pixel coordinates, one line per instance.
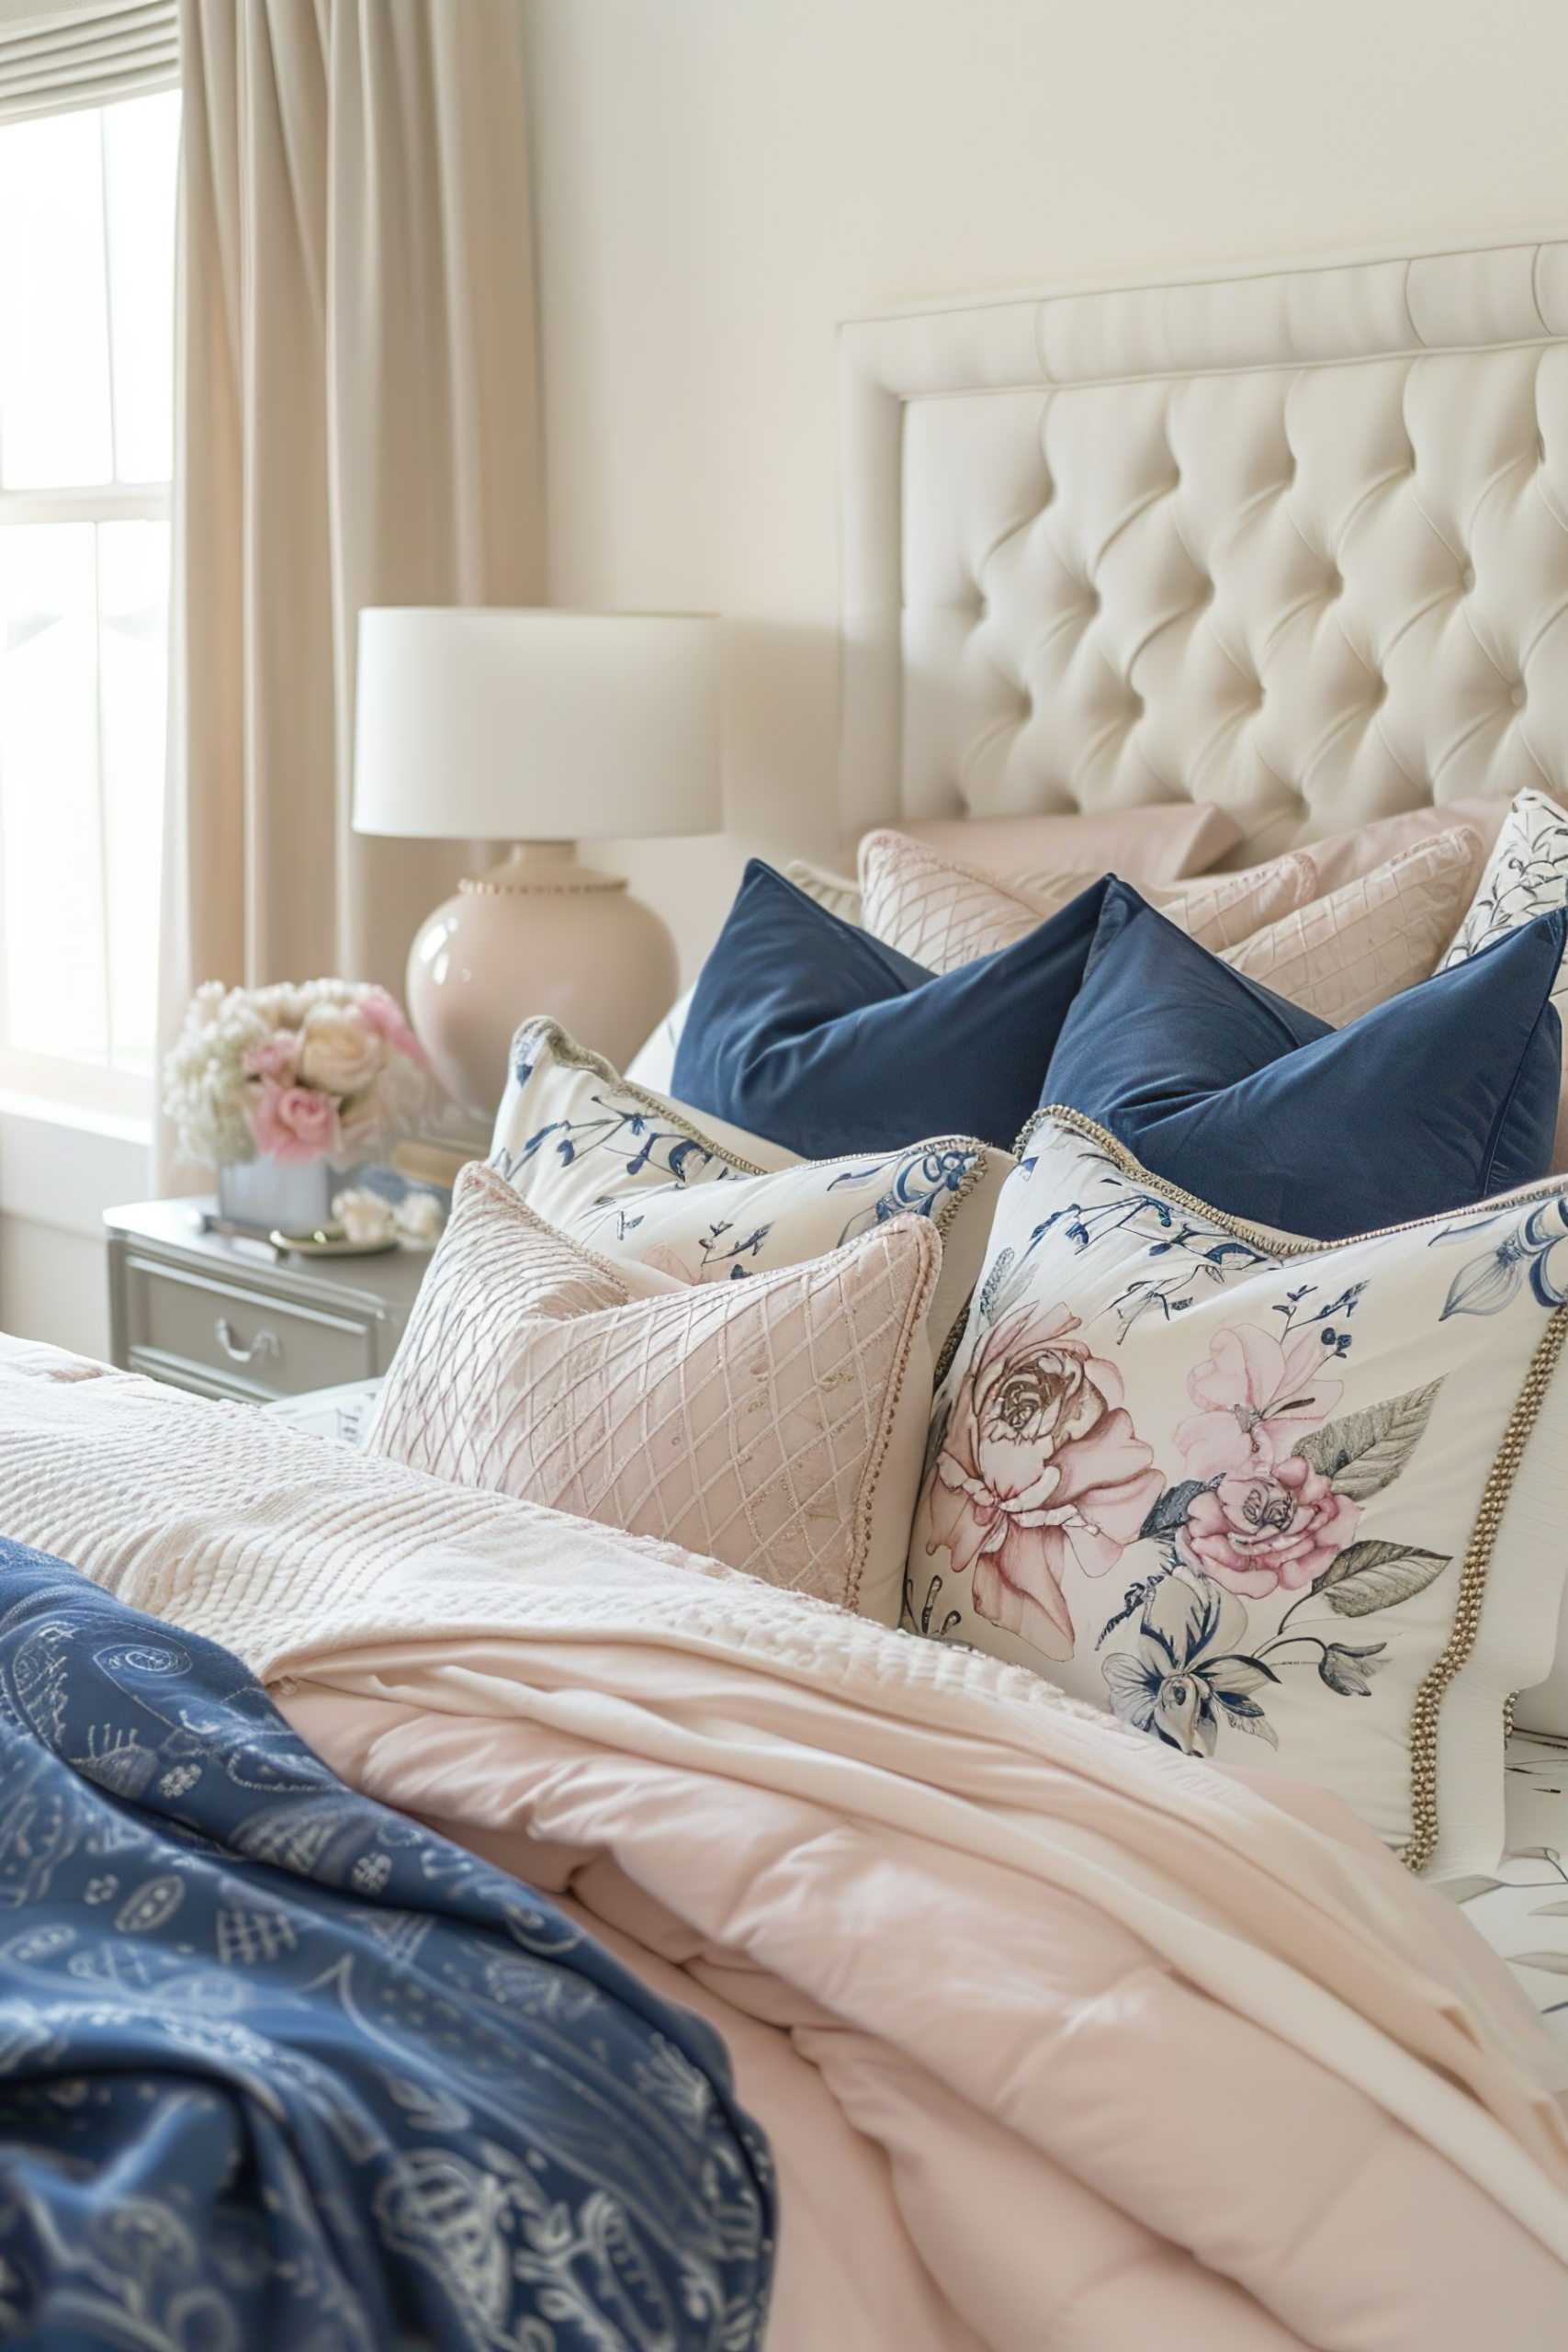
(1293, 540)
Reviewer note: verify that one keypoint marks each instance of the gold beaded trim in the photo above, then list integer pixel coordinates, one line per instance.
(479, 885)
(1418, 1848)
(1472, 1591)
(1273, 1243)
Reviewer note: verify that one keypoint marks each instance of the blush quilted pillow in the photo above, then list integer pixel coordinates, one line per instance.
(943, 912)
(775, 1424)
(1370, 940)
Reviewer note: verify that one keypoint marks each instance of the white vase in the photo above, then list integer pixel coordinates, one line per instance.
(265, 1193)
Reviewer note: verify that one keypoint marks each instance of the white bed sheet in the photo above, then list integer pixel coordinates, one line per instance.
(1523, 1912)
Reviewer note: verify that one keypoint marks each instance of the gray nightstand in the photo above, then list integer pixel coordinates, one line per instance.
(230, 1317)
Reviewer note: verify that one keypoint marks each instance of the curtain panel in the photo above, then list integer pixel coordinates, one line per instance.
(357, 423)
(54, 59)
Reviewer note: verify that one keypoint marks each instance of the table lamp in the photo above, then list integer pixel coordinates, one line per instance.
(541, 728)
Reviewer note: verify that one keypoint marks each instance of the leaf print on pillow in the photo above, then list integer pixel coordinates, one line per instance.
(1366, 1451)
(1372, 1575)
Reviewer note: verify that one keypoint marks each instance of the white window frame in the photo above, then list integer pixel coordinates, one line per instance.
(84, 1087)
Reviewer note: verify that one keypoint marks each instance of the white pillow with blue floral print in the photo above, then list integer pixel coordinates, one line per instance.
(1291, 1505)
(1525, 876)
(642, 1178)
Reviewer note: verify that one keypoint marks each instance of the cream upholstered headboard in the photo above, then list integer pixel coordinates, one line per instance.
(1291, 539)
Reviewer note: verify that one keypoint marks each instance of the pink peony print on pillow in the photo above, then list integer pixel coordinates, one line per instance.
(1040, 1460)
(1260, 1531)
(1257, 1398)
(1243, 1489)
(775, 1422)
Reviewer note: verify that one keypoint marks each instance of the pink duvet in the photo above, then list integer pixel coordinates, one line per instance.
(1036, 2133)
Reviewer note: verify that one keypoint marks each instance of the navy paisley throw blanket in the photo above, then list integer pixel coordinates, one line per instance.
(280, 2067)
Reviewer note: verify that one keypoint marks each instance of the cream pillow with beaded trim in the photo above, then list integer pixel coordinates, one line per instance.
(1295, 1506)
(1525, 876)
(944, 912)
(646, 1182)
(776, 1424)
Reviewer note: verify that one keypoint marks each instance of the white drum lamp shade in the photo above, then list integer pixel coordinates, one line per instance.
(541, 728)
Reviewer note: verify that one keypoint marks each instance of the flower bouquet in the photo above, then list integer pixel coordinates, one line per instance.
(322, 1075)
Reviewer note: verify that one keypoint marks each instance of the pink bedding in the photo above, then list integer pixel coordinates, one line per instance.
(1083, 2149)
(1064, 2041)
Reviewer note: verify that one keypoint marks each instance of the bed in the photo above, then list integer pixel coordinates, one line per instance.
(1058, 2036)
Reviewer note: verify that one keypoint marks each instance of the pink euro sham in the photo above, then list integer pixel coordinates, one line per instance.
(1163, 843)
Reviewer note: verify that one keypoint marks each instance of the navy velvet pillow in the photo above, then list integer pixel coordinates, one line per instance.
(1428, 1102)
(804, 1029)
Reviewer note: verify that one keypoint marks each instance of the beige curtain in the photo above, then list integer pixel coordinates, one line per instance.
(357, 423)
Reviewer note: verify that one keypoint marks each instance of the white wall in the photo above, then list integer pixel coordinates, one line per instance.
(718, 182)
(57, 1177)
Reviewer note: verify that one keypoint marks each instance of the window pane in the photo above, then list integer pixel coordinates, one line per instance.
(140, 155)
(54, 373)
(133, 596)
(51, 852)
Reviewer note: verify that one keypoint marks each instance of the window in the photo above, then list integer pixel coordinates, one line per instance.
(86, 397)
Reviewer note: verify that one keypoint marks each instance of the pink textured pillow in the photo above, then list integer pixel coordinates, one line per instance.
(945, 912)
(1371, 938)
(777, 1423)
(1161, 844)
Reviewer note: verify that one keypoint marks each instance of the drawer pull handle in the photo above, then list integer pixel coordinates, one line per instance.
(265, 1343)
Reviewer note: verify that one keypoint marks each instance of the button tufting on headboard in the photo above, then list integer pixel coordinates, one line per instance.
(1289, 540)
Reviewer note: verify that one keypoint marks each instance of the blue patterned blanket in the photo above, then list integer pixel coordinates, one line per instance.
(280, 2067)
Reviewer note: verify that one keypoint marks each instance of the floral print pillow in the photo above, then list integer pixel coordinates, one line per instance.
(642, 1180)
(1279, 1503)
(1525, 876)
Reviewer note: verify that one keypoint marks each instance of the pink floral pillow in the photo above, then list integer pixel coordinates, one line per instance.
(775, 1422)
(1288, 1505)
(944, 912)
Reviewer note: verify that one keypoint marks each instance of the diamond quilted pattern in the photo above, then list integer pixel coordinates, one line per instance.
(774, 1423)
(945, 914)
(1372, 939)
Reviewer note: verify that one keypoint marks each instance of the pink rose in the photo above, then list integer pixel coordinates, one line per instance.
(294, 1122)
(382, 1014)
(277, 1057)
(1257, 1398)
(1039, 1461)
(1260, 1529)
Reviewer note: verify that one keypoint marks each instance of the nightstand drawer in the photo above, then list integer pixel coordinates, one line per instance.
(229, 1342)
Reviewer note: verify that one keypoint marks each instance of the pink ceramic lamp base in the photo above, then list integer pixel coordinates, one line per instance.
(536, 934)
